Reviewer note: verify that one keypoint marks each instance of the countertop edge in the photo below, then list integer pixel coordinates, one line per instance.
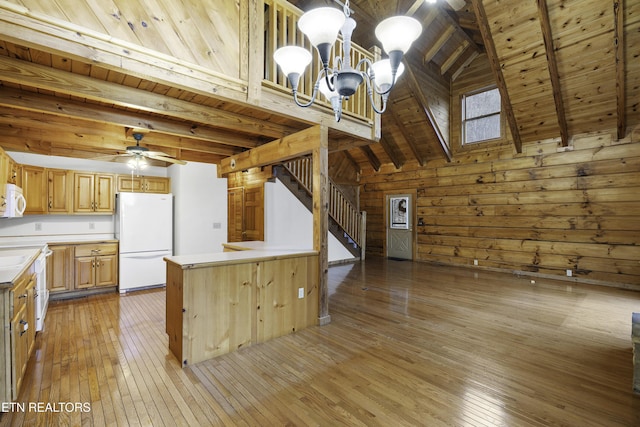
(230, 258)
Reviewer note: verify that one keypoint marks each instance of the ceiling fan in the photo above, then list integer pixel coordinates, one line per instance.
(139, 155)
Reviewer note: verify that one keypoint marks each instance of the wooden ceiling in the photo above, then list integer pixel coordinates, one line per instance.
(563, 68)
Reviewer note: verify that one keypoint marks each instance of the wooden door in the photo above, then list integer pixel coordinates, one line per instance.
(83, 189)
(157, 185)
(58, 191)
(60, 268)
(106, 270)
(104, 195)
(34, 186)
(400, 226)
(253, 213)
(85, 272)
(235, 214)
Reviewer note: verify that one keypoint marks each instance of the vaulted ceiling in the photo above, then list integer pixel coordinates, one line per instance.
(563, 68)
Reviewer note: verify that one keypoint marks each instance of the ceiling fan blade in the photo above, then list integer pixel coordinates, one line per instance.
(155, 153)
(167, 159)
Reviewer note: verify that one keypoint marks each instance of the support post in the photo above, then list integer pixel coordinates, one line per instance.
(321, 220)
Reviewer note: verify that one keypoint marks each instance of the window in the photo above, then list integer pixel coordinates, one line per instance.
(481, 116)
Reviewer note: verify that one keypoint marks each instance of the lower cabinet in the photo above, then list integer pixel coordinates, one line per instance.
(21, 334)
(82, 266)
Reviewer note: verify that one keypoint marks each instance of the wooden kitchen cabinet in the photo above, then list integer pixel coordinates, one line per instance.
(59, 189)
(22, 329)
(34, 187)
(96, 265)
(13, 170)
(93, 193)
(4, 175)
(144, 184)
(60, 273)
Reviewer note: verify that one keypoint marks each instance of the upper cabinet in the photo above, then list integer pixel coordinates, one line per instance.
(34, 186)
(93, 193)
(144, 184)
(59, 191)
(4, 173)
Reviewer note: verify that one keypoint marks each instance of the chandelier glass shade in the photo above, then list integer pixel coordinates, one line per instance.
(321, 26)
(138, 162)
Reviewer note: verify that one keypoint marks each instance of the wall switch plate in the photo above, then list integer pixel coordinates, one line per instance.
(569, 273)
(300, 293)
(475, 262)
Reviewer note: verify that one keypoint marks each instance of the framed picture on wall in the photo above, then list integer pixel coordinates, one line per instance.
(399, 212)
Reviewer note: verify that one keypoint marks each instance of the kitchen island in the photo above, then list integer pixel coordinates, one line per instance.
(220, 302)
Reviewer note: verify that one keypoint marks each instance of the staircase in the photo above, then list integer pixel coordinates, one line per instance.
(345, 222)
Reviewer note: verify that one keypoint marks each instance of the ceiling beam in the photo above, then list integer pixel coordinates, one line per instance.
(457, 53)
(280, 150)
(618, 34)
(371, 156)
(391, 148)
(352, 161)
(391, 113)
(552, 64)
(62, 82)
(416, 90)
(72, 109)
(492, 55)
(437, 45)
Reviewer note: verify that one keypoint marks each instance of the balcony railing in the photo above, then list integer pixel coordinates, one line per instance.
(281, 29)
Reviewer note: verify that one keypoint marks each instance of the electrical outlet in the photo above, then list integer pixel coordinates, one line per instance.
(38, 226)
(569, 273)
(217, 225)
(475, 262)
(92, 226)
(300, 293)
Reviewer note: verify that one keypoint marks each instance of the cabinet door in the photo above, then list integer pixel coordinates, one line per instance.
(4, 174)
(60, 268)
(19, 349)
(104, 195)
(85, 272)
(157, 185)
(58, 191)
(106, 270)
(34, 186)
(83, 185)
(129, 184)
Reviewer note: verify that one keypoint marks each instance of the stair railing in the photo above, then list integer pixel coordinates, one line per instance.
(343, 212)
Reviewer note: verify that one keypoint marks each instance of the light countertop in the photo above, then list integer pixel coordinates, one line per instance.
(14, 262)
(237, 257)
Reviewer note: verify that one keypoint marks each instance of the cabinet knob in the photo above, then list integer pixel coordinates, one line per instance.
(22, 296)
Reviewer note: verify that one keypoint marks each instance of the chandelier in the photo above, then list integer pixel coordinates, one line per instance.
(321, 26)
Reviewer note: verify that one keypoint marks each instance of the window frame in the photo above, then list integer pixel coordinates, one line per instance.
(464, 120)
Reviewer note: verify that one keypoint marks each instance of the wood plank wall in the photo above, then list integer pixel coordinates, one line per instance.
(542, 212)
(205, 32)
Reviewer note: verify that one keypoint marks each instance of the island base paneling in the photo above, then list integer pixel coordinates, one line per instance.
(220, 307)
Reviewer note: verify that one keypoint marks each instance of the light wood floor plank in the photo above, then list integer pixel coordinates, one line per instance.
(409, 344)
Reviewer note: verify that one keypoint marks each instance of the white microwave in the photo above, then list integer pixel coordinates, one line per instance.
(15, 203)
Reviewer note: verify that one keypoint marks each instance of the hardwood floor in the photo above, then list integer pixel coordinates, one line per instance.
(409, 344)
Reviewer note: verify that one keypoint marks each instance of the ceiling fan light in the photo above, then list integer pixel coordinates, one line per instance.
(398, 33)
(322, 25)
(138, 162)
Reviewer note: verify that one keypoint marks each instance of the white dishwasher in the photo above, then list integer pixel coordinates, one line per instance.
(42, 293)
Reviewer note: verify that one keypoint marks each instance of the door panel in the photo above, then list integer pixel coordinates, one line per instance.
(400, 226)
(253, 213)
(235, 213)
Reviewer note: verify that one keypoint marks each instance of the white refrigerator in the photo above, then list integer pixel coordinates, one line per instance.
(144, 228)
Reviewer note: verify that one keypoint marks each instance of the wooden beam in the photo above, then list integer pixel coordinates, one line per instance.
(435, 46)
(492, 55)
(280, 150)
(320, 184)
(62, 82)
(457, 53)
(618, 34)
(352, 161)
(543, 12)
(391, 148)
(470, 56)
(73, 109)
(371, 156)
